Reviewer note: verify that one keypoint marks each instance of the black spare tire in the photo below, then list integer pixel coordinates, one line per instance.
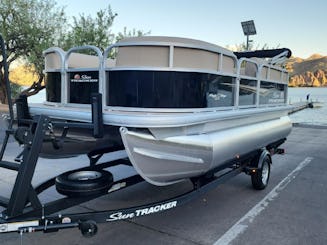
(78, 183)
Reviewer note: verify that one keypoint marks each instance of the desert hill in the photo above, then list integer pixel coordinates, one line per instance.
(310, 72)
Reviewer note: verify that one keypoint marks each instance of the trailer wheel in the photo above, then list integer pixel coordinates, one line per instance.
(88, 228)
(84, 182)
(261, 177)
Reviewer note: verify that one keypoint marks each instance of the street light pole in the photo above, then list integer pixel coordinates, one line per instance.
(247, 42)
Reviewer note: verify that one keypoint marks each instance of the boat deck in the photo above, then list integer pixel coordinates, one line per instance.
(134, 117)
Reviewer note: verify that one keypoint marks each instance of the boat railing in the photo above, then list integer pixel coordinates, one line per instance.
(276, 75)
(247, 73)
(166, 55)
(83, 73)
(273, 73)
(54, 68)
(172, 56)
(260, 71)
(54, 59)
(280, 58)
(82, 63)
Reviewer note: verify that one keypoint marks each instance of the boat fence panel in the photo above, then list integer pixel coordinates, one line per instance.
(272, 93)
(229, 65)
(84, 74)
(172, 53)
(153, 56)
(249, 69)
(275, 75)
(285, 77)
(53, 86)
(264, 73)
(77, 60)
(169, 89)
(54, 74)
(195, 58)
(53, 61)
(247, 92)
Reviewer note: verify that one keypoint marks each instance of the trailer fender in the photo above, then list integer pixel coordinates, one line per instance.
(260, 176)
(264, 153)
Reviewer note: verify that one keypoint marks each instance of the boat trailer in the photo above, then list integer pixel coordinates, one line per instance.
(24, 212)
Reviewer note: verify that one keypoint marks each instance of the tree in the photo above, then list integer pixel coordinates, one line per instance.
(92, 31)
(242, 47)
(28, 26)
(31, 26)
(88, 30)
(130, 33)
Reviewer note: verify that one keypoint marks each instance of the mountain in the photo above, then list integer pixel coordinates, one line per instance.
(310, 72)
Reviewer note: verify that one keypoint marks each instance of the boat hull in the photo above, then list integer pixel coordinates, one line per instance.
(173, 159)
(80, 141)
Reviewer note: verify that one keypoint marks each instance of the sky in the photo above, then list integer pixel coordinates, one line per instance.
(300, 25)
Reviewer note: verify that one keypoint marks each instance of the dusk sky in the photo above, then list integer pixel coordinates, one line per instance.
(298, 25)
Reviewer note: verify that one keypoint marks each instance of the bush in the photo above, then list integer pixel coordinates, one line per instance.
(15, 90)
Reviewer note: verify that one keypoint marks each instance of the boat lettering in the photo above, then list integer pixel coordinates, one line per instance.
(83, 78)
(120, 216)
(86, 77)
(143, 211)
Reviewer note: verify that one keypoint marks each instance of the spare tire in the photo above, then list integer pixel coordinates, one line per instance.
(78, 183)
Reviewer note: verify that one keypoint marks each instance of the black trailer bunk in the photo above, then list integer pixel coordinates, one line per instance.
(24, 212)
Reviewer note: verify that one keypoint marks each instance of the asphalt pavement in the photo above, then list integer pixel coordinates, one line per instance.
(291, 210)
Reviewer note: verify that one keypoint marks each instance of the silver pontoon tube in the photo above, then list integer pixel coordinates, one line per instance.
(173, 159)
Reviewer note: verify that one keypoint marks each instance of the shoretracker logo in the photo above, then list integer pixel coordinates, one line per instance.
(142, 212)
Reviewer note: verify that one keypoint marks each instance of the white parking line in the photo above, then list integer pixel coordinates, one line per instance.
(240, 226)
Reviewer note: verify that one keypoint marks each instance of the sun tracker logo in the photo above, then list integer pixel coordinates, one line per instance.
(77, 76)
(83, 79)
(142, 212)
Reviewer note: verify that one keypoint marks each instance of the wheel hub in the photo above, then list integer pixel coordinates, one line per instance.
(84, 175)
(265, 173)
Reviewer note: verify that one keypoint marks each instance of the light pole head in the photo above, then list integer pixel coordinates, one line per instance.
(248, 30)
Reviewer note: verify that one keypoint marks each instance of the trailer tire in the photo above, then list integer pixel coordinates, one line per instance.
(77, 183)
(261, 177)
(88, 228)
